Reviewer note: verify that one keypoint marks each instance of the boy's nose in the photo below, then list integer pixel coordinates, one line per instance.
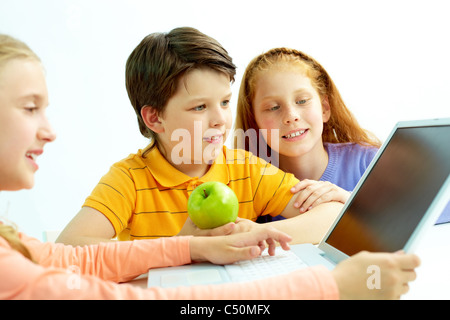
(219, 117)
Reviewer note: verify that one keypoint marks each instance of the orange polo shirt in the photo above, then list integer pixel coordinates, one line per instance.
(146, 197)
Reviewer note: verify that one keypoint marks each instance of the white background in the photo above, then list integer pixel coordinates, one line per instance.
(389, 59)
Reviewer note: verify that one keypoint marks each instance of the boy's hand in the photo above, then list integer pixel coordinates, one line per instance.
(236, 247)
(314, 193)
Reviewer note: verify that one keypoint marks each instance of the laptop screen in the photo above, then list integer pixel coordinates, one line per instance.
(396, 193)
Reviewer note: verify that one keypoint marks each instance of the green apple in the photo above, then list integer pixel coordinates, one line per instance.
(212, 204)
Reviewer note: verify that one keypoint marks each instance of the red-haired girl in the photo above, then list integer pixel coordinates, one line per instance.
(286, 92)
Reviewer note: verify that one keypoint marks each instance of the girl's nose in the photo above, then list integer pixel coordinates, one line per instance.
(46, 132)
(291, 116)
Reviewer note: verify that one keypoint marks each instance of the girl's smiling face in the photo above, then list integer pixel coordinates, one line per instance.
(285, 100)
(24, 128)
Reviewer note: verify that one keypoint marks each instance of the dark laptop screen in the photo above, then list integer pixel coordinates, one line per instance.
(397, 192)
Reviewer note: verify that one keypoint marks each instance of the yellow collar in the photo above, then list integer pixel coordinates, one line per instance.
(169, 177)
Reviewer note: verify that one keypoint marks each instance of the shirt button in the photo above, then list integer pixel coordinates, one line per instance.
(193, 184)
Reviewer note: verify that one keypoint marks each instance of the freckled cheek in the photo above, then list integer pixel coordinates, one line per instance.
(267, 123)
(270, 129)
(316, 124)
(313, 117)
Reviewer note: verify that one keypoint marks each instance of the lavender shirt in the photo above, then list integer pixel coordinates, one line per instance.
(347, 162)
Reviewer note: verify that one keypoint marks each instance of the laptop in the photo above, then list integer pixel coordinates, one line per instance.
(401, 194)
(445, 215)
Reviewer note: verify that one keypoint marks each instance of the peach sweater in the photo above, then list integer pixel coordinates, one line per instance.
(103, 266)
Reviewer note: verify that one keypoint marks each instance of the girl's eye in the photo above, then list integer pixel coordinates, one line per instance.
(32, 109)
(274, 108)
(302, 101)
(199, 108)
(225, 103)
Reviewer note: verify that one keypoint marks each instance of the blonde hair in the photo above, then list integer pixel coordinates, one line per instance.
(340, 128)
(11, 48)
(10, 234)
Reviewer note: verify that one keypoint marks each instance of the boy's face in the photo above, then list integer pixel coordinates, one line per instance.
(24, 128)
(197, 118)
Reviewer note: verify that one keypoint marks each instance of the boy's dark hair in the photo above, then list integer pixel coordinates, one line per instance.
(155, 65)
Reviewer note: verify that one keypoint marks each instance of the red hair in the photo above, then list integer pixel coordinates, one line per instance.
(340, 128)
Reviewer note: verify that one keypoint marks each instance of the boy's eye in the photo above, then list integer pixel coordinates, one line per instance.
(302, 101)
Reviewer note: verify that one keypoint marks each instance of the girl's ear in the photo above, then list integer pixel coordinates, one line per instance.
(151, 119)
(326, 111)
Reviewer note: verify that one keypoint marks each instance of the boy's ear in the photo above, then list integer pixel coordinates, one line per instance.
(151, 119)
(326, 111)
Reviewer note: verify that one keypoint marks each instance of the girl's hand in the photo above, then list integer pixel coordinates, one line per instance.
(391, 273)
(240, 225)
(244, 225)
(313, 193)
(190, 229)
(236, 247)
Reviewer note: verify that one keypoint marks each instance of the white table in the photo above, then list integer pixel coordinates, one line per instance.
(433, 276)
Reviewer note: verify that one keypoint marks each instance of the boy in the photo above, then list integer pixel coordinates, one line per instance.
(179, 86)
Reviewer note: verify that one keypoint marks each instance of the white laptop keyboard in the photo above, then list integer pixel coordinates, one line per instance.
(264, 266)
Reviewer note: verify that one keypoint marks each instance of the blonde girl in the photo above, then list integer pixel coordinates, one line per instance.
(318, 137)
